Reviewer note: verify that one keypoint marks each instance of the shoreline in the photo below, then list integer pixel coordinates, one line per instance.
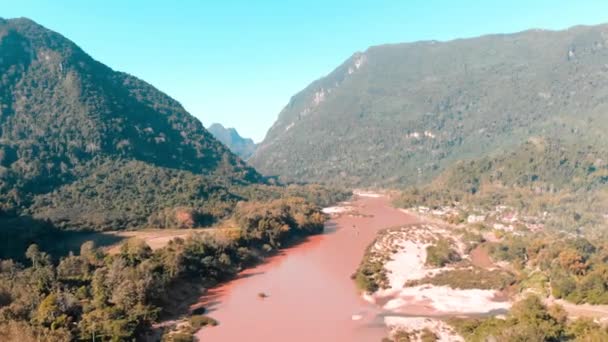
(401, 252)
(315, 277)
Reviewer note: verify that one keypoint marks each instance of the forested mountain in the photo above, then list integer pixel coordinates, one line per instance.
(566, 183)
(83, 147)
(243, 147)
(399, 114)
(87, 146)
(542, 165)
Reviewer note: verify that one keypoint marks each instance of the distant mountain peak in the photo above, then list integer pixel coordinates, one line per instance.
(64, 115)
(243, 147)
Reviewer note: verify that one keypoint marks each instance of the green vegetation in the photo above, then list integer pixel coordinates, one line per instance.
(321, 195)
(371, 276)
(402, 113)
(573, 268)
(426, 335)
(469, 278)
(86, 147)
(199, 321)
(184, 331)
(112, 208)
(559, 186)
(441, 253)
(118, 297)
(134, 194)
(544, 165)
(564, 184)
(530, 320)
(401, 336)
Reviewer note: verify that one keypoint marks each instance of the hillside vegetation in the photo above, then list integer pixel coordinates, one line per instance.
(400, 114)
(540, 209)
(87, 147)
(93, 296)
(565, 183)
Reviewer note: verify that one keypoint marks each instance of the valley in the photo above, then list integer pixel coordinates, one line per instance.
(423, 191)
(421, 275)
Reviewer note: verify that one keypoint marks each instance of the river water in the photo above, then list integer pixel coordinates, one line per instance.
(311, 296)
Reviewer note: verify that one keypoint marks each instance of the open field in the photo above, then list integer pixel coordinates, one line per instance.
(159, 238)
(155, 237)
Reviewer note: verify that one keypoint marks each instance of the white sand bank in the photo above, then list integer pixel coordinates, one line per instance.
(363, 193)
(415, 325)
(407, 248)
(337, 210)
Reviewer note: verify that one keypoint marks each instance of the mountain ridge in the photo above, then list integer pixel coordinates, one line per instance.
(243, 147)
(401, 113)
(63, 114)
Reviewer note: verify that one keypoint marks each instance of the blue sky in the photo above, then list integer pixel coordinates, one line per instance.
(239, 62)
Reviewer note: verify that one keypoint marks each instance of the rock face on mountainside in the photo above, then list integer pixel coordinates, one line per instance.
(243, 147)
(399, 114)
(69, 124)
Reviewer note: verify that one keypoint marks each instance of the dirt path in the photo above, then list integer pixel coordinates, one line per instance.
(581, 310)
(481, 258)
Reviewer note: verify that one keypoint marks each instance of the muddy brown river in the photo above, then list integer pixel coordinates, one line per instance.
(310, 295)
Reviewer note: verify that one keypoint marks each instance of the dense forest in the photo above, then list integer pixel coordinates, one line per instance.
(83, 147)
(90, 295)
(87, 147)
(565, 182)
(554, 194)
(515, 122)
(402, 113)
(531, 320)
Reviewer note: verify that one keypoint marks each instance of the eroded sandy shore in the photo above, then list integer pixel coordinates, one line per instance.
(403, 253)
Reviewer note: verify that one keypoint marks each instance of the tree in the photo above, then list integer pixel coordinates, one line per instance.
(134, 251)
(37, 257)
(562, 284)
(532, 322)
(73, 267)
(572, 261)
(586, 330)
(91, 254)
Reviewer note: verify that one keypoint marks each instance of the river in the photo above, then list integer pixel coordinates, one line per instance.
(311, 296)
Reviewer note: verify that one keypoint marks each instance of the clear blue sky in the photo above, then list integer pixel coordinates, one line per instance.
(239, 62)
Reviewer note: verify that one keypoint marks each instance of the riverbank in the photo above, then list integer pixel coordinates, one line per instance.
(421, 273)
(309, 292)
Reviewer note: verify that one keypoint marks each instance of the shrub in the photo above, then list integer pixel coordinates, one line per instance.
(441, 254)
(180, 337)
(466, 278)
(199, 321)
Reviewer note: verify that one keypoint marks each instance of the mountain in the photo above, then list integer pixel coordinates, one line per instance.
(564, 183)
(543, 165)
(85, 146)
(243, 147)
(400, 114)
